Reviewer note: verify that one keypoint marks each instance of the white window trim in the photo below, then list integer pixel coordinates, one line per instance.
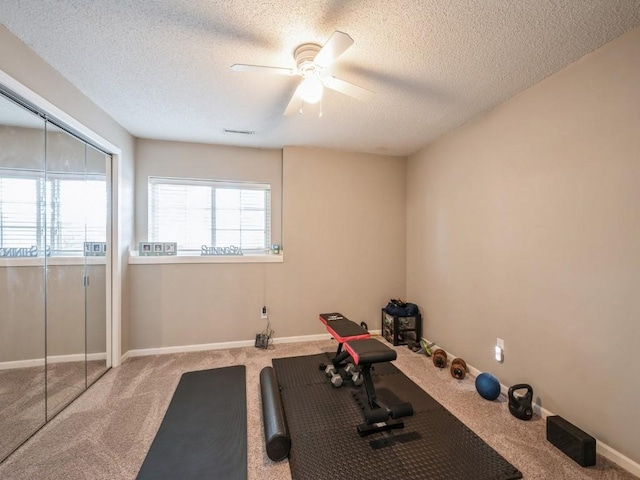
(51, 261)
(135, 259)
(190, 254)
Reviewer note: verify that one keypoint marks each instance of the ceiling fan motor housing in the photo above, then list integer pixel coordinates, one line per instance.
(304, 56)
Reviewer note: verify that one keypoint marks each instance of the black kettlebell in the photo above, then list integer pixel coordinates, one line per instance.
(520, 406)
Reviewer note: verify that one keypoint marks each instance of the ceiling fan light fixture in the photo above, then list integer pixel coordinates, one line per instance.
(311, 89)
(312, 64)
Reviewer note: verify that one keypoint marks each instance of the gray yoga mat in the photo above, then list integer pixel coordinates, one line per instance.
(204, 433)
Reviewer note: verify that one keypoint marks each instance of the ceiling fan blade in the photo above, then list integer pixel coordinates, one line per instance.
(335, 46)
(239, 67)
(295, 103)
(347, 88)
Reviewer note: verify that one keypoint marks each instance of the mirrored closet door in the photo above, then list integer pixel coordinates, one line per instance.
(54, 197)
(22, 276)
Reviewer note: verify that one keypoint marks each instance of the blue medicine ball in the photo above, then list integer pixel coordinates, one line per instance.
(488, 386)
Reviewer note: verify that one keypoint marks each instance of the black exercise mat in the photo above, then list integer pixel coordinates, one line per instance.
(204, 433)
(325, 445)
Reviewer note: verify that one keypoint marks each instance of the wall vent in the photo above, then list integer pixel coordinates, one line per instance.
(241, 132)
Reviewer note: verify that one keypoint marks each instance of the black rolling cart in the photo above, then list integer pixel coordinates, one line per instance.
(400, 330)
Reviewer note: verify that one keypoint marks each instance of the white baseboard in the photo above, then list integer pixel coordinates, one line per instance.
(39, 362)
(602, 448)
(79, 357)
(143, 352)
(218, 346)
(124, 357)
(618, 458)
(32, 362)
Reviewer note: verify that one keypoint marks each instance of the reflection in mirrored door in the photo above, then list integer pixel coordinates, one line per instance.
(96, 249)
(22, 275)
(65, 186)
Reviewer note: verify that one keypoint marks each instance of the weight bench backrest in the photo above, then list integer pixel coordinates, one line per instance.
(343, 329)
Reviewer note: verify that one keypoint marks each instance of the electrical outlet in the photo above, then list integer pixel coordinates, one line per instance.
(263, 312)
(499, 350)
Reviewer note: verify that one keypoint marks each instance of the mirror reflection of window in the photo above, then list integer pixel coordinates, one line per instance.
(70, 198)
(19, 215)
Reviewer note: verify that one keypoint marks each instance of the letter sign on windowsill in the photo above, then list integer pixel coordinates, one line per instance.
(23, 251)
(230, 250)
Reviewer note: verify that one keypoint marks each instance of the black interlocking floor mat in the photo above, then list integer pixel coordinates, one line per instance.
(204, 433)
(325, 445)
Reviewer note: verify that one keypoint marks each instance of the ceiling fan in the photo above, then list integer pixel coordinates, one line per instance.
(312, 64)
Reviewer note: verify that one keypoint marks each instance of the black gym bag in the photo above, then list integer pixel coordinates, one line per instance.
(398, 308)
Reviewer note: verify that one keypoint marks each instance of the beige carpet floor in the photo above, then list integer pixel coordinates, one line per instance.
(25, 401)
(106, 433)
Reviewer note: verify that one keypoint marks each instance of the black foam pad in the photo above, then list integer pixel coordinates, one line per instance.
(276, 435)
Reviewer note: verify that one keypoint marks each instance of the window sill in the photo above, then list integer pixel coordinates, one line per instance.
(135, 259)
(51, 261)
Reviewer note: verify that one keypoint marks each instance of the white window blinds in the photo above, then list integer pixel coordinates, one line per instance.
(78, 212)
(20, 212)
(194, 213)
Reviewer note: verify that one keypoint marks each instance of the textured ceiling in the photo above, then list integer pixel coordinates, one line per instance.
(161, 68)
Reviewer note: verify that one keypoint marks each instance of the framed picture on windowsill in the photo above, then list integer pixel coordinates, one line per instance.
(145, 249)
(95, 249)
(157, 249)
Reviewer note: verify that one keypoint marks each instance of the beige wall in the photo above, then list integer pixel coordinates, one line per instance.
(22, 332)
(75, 314)
(344, 250)
(72, 311)
(525, 225)
(22, 64)
(344, 236)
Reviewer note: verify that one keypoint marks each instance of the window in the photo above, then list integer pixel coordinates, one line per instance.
(196, 213)
(53, 212)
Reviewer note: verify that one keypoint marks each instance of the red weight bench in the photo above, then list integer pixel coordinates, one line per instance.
(343, 330)
(378, 417)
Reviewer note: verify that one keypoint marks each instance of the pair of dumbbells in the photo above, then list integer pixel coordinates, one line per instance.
(458, 367)
(336, 378)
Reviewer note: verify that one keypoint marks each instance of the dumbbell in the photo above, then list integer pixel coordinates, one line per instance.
(440, 358)
(356, 376)
(458, 368)
(336, 378)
